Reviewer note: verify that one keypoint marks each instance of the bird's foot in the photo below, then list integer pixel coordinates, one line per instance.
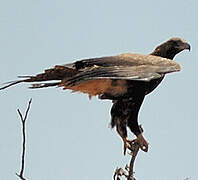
(128, 144)
(142, 142)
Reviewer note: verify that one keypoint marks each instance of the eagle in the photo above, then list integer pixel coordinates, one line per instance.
(124, 79)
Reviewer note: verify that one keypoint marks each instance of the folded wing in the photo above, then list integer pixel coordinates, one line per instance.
(98, 75)
(126, 66)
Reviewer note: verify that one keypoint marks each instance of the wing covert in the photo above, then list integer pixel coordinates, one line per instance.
(144, 72)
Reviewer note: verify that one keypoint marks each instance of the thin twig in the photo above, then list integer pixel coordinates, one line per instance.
(187, 178)
(23, 121)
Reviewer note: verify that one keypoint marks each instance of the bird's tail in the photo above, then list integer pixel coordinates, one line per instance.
(57, 74)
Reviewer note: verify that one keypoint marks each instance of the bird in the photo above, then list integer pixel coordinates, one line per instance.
(125, 79)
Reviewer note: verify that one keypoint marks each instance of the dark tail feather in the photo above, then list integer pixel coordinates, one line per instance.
(43, 85)
(11, 84)
(34, 86)
(58, 73)
(25, 76)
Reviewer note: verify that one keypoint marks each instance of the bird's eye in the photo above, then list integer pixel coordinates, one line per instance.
(176, 44)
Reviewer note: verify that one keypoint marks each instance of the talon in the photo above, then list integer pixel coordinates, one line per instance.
(140, 140)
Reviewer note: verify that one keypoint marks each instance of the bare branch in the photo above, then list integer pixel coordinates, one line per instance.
(135, 148)
(128, 173)
(187, 178)
(23, 121)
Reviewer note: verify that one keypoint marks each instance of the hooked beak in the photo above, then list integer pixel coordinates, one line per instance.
(186, 46)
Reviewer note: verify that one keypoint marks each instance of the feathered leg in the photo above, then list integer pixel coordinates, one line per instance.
(118, 119)
(124, 113)
(133, 107)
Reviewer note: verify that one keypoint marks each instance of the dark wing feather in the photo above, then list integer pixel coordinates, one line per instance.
(146, 68)
(127, 59)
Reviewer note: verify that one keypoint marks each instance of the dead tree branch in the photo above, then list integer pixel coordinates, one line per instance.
(23, 121)
(128, 173)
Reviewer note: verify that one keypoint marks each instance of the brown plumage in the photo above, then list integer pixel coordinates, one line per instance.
(124, 78)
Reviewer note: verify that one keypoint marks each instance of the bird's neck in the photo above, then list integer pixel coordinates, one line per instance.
(170, 54)
(166, 51)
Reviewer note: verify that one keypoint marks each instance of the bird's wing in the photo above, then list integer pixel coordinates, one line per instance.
(126, 59)
(126, 66)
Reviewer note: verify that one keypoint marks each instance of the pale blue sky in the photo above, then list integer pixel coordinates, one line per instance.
(68, 135)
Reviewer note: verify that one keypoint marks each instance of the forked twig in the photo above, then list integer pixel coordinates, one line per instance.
(23, 121)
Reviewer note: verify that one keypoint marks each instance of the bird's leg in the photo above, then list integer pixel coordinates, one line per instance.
(126, 141)
(142, 142)
(133, 109)
(127, 144)
(122, 131)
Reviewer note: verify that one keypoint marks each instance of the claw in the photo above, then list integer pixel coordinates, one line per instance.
(140, 140)
(128, 144)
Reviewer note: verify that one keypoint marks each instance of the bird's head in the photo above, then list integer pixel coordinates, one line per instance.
(171, 47)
